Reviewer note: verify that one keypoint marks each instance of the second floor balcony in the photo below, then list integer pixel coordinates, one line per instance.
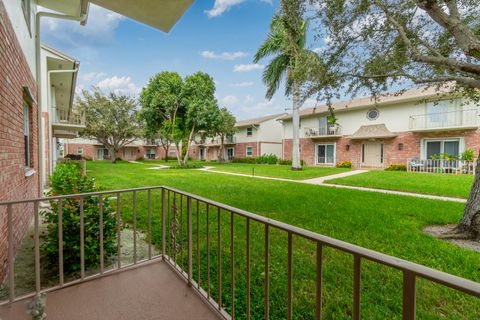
(200, 259)
(330, 130)
(67, 120)
(451, 120)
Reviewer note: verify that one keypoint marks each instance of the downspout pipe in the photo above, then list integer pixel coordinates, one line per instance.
(41, 156)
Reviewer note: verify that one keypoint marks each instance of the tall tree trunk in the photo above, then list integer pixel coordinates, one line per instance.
(296, 165)
(187, 148)
(221, 152)
(113, 156)
(166, 148)
(179, 153)
(470, 222)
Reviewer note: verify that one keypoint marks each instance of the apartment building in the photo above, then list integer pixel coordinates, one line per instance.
(253, 138)
(418, 124)
(148, 149)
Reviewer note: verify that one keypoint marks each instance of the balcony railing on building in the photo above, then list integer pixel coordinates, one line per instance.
(214, 247)
(459, 119)
(218, 140)
(327, 131)
(66, 119)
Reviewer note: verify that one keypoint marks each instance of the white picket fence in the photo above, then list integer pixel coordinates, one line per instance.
(442, 166)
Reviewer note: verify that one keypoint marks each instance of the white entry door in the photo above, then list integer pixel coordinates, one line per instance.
(372, 154)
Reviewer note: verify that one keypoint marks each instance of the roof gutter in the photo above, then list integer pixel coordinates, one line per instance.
(82, 19)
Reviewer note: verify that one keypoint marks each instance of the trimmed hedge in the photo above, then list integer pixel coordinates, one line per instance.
(344, 164)
(396, 167)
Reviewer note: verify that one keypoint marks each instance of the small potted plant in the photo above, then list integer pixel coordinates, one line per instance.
(332, 124)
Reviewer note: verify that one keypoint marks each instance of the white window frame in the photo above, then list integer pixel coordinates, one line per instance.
(26, 135)
(80, 150)
(246, 151)
(250, 129)
(423, 151)
(334, 154)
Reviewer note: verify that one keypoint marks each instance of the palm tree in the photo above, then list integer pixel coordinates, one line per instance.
(286, 41)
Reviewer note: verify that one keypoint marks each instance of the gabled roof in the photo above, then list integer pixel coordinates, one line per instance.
(409, 95)
(257, 121)
(372, 132)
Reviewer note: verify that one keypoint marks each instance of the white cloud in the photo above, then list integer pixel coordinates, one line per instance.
(120, 85)
(247, 67)
(242, 84)
(99, 30)
(261, 108)
(90, 76)
(221, 6)
(230, 100)
(224, 55)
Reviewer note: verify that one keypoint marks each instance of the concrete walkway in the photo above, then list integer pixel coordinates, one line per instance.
(321, 182)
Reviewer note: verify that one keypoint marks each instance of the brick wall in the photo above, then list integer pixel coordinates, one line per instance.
(411, 146)
(90, 151)
(14, 75)
(241, 149)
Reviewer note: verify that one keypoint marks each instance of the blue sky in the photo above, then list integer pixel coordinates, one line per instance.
(214, 36)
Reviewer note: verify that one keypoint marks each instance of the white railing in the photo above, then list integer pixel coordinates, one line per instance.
(442, 166)
(329, 130)
(65, 116)
(373, 164)
(451, 119)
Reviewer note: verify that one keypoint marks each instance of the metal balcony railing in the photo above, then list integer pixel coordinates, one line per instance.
(68, 117)
(452, 119)
(329, 130)
(208, 242)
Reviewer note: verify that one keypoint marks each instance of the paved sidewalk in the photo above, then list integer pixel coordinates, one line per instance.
(321, 182)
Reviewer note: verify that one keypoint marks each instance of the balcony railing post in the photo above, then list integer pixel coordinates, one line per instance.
(189, 239)
(100, 211)
(60, 242)
(409, 293)
(37, 246)
(11, 274)
(82, 241)
(163, 223)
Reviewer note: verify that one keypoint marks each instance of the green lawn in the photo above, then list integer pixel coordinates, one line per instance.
(427, 183)
(276, 171)
(387, 223)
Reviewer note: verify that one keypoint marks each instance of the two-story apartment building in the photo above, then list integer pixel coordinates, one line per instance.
(416, 124)
(253, 138)
(139, 149)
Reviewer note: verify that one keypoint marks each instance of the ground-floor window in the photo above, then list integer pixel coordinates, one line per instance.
(26, 134)
(326, 153)
(249, 151)
(151, 154)
(102, 154)
(437, 147)
(80, 150)
(230, 153)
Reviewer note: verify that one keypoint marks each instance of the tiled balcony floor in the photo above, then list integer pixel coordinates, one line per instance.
(151, 291)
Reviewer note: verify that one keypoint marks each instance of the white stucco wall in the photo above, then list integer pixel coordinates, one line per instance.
(25, 37)
(270, 131)
(271, 148)
(396, 117)
(241, 135)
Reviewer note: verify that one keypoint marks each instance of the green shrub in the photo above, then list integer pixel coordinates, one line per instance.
(396, 167)
(468, 155)
(344, 164)
(283, 162)
(188, 166)
(68, 179)
(267, 159)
